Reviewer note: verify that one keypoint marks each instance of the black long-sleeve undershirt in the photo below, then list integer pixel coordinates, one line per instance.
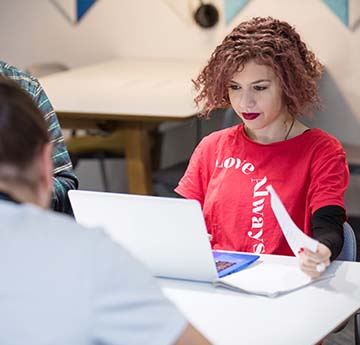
(327, 227)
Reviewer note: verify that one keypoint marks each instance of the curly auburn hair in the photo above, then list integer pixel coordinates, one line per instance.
(267, 41)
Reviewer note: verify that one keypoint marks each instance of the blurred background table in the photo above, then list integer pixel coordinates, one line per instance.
(133, 95)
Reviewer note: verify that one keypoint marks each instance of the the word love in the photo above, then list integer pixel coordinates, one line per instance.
(235, 163)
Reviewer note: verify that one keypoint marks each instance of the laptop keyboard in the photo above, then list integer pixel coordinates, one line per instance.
(221, 265)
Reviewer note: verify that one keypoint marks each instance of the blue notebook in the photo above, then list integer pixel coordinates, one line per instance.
(227, 262)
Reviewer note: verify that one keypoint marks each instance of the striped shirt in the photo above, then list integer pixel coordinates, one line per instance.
(63, 175)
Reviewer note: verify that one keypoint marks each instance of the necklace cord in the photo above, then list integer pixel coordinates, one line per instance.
(290, 128)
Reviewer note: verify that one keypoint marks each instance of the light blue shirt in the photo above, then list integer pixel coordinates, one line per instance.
(64, 284)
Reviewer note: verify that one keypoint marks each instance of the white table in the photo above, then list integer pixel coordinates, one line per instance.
(132, 95)
(302, 317)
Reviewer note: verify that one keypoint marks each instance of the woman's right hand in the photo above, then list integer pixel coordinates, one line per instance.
(313, 264)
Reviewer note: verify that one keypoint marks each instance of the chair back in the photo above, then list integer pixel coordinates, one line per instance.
(348, 251)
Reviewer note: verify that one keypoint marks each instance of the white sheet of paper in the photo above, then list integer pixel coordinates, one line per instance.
(294, 236)
(268, 279)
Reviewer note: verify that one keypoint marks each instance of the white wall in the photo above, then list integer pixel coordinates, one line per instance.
(34, 31)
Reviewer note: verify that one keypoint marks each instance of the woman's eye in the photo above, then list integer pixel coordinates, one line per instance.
(234, 87)
(260, 88)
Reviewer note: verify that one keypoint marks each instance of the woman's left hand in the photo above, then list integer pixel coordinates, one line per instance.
(313, 264)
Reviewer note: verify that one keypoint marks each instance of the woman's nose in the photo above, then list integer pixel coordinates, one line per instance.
(247, 102)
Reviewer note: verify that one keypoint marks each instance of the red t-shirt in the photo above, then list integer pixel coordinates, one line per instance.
(228, 174)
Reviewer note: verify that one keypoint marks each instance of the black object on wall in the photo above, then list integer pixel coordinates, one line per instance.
(206, 15)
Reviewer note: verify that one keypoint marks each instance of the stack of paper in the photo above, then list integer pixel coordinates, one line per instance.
(268, 279)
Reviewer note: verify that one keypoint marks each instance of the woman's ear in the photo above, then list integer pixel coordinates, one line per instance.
(45, 175)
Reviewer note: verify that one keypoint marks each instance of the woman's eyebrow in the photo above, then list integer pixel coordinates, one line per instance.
(253, 82)
(261, 81)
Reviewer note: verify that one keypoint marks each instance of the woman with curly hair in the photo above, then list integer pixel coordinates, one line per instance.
(266, 73)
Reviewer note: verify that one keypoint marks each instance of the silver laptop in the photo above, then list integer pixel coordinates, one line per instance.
(167, 234)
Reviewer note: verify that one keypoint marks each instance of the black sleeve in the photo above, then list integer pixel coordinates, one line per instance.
(63, 182)
(327, 227)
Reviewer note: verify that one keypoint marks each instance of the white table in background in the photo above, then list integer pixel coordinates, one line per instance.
(133, 95)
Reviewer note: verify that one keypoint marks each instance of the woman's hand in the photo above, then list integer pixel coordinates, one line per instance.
(313, 264)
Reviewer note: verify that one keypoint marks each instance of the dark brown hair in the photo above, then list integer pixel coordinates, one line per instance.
(23, 130)
(270, 42)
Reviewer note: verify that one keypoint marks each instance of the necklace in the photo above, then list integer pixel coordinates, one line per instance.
(290, 128)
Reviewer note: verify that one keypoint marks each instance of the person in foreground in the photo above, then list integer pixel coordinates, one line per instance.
(62, 283)
(64, 178)
(268, 75)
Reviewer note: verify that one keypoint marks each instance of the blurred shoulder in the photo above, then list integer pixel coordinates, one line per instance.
(25, 80)
(324, 139)
(31, 220)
